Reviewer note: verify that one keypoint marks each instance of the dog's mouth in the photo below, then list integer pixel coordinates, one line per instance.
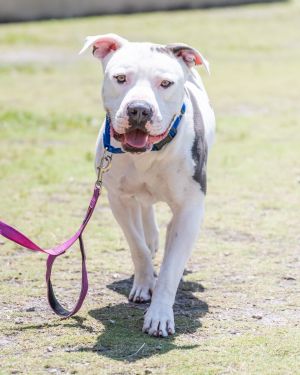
(137, 140)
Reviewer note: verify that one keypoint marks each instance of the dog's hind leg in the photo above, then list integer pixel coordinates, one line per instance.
(128, 213)
(151, 230)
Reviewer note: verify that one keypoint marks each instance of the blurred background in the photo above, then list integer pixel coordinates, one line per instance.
(43, 9)
(238, 312)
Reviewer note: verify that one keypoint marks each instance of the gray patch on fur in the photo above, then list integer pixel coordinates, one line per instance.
(160, 49)
(199, 148)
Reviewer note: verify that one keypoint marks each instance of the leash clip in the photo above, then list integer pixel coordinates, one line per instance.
(104, 166)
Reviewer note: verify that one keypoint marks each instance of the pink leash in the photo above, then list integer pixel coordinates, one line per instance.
(19, 238)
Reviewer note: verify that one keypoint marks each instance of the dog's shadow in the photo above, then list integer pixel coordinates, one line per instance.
(123, 339)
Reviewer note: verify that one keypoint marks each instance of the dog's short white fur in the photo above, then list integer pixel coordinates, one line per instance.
(164, 77)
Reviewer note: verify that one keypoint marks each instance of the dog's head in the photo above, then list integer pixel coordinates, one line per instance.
(143, 86)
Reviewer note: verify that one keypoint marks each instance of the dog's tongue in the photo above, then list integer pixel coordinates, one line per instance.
(136, 138)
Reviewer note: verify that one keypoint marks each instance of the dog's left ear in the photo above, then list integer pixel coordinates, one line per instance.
(189, 55)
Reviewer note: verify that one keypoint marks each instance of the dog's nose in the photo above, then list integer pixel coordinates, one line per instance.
(139, 112)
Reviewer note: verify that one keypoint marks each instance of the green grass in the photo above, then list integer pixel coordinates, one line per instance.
(237, 311)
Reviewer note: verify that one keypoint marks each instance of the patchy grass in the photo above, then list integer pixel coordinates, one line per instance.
(237, 311)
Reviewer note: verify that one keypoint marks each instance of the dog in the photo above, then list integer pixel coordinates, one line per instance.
(147, 90)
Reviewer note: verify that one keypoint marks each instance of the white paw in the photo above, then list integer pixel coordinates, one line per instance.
(159, 320)
(142, 289)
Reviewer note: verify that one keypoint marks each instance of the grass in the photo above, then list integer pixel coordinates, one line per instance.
(237, 311)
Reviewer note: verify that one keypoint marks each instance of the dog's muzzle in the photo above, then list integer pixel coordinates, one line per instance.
(137, 139)
(136, 136)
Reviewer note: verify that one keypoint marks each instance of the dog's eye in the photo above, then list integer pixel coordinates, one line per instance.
(121, 78)
(165, 83)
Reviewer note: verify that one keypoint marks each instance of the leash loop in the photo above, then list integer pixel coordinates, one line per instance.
(14, 235)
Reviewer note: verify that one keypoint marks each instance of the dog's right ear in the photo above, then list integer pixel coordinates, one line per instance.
(103, 45)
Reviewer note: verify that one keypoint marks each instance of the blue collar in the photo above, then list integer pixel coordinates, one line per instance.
(156, 147)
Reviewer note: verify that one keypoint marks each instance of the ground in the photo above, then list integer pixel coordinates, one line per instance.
(237, 310)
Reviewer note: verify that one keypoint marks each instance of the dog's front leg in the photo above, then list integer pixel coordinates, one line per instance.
(182, 234)
(127, 212)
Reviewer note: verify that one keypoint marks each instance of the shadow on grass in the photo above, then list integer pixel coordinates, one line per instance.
(122, 338)
(74, 322)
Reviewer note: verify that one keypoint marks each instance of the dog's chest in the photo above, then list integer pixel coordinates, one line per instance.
(143, 182)
(151, 181)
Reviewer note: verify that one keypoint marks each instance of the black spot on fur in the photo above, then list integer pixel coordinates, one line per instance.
(199, 153)
(199, 148)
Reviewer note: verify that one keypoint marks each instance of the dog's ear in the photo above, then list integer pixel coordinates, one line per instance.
(103, 45)
(189, 55)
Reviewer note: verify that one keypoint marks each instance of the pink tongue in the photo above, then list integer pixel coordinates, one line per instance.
(136, 138)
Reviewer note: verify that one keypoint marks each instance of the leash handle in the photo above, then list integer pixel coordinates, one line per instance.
(53, 302)
(14, 235)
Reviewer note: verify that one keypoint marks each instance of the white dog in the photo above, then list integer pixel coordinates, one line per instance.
(161, 124)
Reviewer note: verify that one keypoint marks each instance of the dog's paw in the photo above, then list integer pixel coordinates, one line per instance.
(142, 290)
(159, 321)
